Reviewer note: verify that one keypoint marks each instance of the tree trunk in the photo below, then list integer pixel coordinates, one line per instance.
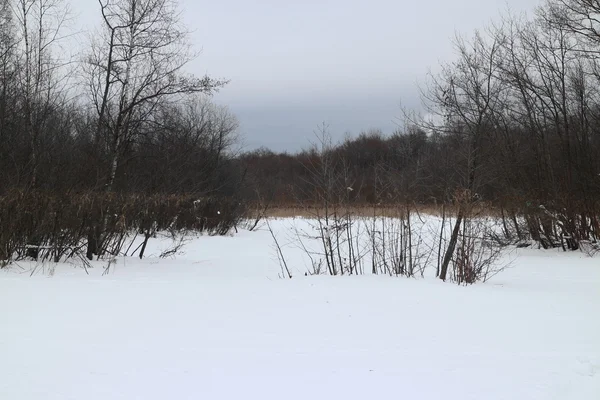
(146, 237)
(92, 246)
(451, 245)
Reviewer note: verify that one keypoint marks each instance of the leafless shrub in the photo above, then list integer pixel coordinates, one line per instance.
(177, 244)
(260, 212)
(397, 244)
(590, 248)
(285, 270)
(477, 253)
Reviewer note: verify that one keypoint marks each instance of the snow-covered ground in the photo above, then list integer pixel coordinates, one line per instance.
(218, 323)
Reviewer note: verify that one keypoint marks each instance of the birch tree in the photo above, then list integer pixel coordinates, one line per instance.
(137, 63)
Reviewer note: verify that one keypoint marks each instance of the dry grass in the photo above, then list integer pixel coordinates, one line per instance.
(388, 210)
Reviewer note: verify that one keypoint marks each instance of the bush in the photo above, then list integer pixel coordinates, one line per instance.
(45, 225)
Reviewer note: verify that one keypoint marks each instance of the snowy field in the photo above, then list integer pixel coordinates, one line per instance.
(217, 322)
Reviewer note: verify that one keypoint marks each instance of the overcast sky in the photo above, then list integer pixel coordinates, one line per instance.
(296, 64)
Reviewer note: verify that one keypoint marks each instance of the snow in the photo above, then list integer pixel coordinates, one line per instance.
(218, 323)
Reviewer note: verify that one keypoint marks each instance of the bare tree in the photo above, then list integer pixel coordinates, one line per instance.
(136, 64)
(41, 28)
(188, 145)
(8, 70)
(466, 95)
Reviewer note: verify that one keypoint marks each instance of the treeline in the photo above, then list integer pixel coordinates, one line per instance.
(372, 168)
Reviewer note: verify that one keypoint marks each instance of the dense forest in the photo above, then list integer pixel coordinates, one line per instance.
(123, 138)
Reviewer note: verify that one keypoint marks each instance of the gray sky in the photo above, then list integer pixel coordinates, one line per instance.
(295, 65)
